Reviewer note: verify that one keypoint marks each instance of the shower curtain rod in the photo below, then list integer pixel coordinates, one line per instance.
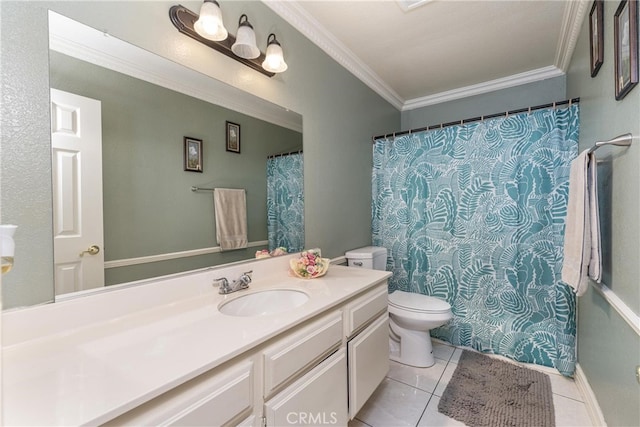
(272, 156)
(479, 118)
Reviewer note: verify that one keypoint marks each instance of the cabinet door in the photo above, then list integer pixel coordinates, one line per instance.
(318, 398)
(212, 399)
(368, 362)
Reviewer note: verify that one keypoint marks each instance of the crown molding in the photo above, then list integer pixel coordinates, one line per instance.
(574, 13)
(302, 21)
(486, 87)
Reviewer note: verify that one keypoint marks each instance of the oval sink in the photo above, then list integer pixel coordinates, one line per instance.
(264, 302)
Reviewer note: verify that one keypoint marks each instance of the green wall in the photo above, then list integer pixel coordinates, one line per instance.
(149, 208)
(340, 114)
(608, 348)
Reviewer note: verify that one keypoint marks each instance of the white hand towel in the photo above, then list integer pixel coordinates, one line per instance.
(582, 231)
(231, 218)
(595, 261)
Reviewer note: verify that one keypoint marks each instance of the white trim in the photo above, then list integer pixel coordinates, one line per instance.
(486, 87)
(574, 13)
(173, 255)
(590, 401)
(304, 22)
(623, 309)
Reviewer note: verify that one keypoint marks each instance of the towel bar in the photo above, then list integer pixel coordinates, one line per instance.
(619, 141)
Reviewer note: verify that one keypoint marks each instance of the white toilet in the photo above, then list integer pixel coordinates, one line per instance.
(412, 315)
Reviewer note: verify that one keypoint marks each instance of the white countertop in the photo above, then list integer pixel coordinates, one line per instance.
(102, 368)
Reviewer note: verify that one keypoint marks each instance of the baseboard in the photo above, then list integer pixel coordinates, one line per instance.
(590, 401)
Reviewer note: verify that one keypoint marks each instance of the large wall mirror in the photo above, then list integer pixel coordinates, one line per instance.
(153, 222)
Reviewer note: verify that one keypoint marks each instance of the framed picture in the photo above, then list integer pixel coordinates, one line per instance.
(192, 154)
(625, 26)
(596, 33)
(233, 137)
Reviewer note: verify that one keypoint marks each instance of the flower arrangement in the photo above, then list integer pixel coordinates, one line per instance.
(310, 264)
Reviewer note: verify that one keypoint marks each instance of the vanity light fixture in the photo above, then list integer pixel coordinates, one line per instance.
(274, 60)
(245, 45)
(209, 30)
(209, 24)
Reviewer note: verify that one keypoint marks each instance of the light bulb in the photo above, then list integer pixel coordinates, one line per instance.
(274, 61)
(209, 24)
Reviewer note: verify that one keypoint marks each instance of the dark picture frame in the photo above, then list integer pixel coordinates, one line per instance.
(596, 36)
(233, 137)
(625, 26)
(192, 154)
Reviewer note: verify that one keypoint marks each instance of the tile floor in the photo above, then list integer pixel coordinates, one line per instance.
(409, 396)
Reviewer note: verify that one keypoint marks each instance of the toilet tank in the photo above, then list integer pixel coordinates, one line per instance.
(372, 257)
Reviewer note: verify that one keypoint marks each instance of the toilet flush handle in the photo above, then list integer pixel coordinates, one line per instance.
(357, 263)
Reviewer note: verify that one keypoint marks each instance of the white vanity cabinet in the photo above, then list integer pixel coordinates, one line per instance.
(318, 373)
(367, 331)
(299, 350)
(217, 398)
(321, 372)
(318, 398)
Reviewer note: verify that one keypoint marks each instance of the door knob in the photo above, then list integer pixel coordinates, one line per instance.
(92, 250)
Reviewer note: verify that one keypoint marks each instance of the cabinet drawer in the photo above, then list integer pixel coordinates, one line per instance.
(368, 362)
(318, 398)
(359, 312)
(212, 399)
(299, 350)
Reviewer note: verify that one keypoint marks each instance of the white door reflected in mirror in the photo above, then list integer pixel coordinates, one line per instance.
(76, 135)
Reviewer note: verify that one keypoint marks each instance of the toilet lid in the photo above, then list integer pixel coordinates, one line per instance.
(418, 302)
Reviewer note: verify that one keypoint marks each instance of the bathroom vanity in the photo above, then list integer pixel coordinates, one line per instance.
(162, 353)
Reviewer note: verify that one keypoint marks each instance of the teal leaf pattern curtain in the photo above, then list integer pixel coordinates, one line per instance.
(474, 214)
(285, 202)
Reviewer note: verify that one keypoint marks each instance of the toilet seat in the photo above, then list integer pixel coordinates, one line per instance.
(418, 303)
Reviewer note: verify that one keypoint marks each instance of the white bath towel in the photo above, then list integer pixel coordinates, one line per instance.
(595, 262)
(231, 218)
(582, 231)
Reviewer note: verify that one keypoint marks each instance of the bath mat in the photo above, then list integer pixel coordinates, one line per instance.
(489, 392)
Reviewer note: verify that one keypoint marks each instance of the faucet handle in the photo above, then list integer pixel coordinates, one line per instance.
(246, 277)
(222, 281)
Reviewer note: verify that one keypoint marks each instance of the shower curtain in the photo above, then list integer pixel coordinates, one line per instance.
(285, 202)
(474, 214)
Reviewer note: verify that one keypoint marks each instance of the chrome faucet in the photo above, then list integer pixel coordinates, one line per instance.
(241, 283)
